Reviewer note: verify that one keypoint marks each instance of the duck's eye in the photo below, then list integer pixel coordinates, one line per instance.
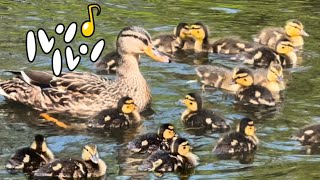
(190, 103)
(282, 47)
(245, 79)
(198, 31)
(128, 107)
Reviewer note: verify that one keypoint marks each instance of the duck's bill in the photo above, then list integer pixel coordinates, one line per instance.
(303, 33)
(156, 55)
(95, 158)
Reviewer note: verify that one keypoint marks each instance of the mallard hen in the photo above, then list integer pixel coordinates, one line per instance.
(84, 94)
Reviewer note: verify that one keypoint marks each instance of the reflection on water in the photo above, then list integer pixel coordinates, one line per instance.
(277, 156)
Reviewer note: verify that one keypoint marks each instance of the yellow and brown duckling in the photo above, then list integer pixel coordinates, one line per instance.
(174, 42)
(200, 33)
(284, 54)
(237, 143)
(84, 94)
(89, 166)
(29, 159)
(293, 30)
(250, 93)
(122, 117)
(274, 81)
(179, 158)
(151, 142)
(309, 137)
(196, 116)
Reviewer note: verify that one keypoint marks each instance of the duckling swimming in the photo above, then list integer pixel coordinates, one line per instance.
(293, 30)
(200, 33)
(84, 94)
(108, 64)
(309, 137)
(198, 117)
(236, 143)
(250, 93)
(284, 54)
(180, 157)
(179, 39)
(89, 166)
(153, 141)
(122, 117)
(29, 159)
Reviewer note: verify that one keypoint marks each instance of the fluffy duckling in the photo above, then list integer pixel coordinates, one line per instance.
(172, 43)
(198, 117)
(180, 157)
(250, 93)
(108, 63)
(309, 137)
(239, 142)
(153, 141)
(284, 54)
(90, 166)
(29, 159)
(231, 46)
(122, 117)
(200, 33)
(274, 82)
(293, 30)
(221, 77)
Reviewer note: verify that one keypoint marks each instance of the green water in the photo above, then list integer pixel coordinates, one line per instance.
(277, 156)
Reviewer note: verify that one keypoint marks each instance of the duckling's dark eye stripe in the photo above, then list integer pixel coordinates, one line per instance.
(195, 28)
(274, 73)
(145, 41)
(296, 27)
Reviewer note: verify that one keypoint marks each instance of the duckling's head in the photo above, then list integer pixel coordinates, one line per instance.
(166, 131)
(242, 76)
(135, 41)
(199, 31)
(90, 153)
(193, 101)
(182, 30)
(284, 46)
(180, 146)
(39, 144)
(275, 73)
(246, 126)
(294, 27)
(126, 105)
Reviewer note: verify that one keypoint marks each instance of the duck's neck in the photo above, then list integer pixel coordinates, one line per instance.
(198, 45)
(293, 57)
(129, 66)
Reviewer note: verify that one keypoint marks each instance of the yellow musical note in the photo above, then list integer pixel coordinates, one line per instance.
(87, 27)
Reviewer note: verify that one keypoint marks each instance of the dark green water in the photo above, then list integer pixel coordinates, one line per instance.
(277, 157)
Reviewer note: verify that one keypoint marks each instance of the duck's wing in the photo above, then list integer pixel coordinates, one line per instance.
(70, 92)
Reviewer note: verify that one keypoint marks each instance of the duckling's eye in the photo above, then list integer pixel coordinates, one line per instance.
(190, 103)
(282, 47)
(245, 79)
(128, 107)
(198, 31)
(184, 147)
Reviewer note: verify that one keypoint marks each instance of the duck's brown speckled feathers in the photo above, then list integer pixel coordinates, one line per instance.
(108, 63)
(239, 142)
(231, 46)
(85, 94)
(29, 159)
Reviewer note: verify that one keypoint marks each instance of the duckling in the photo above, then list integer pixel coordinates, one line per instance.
(284, 54)
(231, 46)
(29, 159)
(122, 117)
(172, 43)
(83, 94)
(293, 30)
(89, 166)
(200, 33)
(108, 64)
(250, 93)
(153, 141)
(274, 82)
(198, 117)
(309, 137)
(237, 143)
(179, 158)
